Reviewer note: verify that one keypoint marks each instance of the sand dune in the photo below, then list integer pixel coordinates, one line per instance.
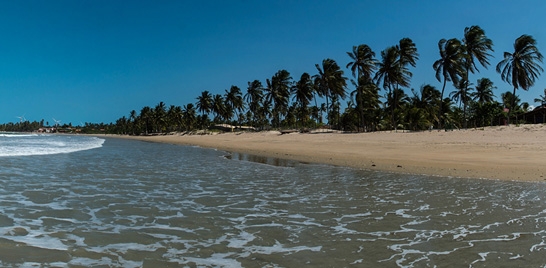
(504, 153)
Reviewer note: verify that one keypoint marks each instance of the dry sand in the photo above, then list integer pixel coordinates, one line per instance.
(504, 153)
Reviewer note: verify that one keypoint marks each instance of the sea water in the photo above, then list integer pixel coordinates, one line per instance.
(120, 203)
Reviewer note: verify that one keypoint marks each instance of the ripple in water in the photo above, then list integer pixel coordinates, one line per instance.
(136, 204)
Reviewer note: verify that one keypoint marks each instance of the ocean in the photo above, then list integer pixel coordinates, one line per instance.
(80, 201)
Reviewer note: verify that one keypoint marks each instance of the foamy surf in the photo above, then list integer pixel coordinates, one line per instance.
(34, 144)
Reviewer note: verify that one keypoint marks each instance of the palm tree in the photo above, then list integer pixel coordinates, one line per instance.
(145, 116)
(188, 115)
(174, 117)
(160, 112)
(364, 62)
(218, 107)
(449, 66)
(396, 100)
(133, 119)
(278, 93)
(460, 94)
(428, 100)
(393, 69)
(234, 100)
(521, 68)
(408, 54)
(483, 97)
(331, 81)
(362, 68)
(253, 97)
(303, 94)
(389, 73)
(204, 102)
(476, 46)
(366, 96)
(484, 91)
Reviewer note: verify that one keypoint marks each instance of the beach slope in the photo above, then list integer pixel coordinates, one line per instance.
(503, 153)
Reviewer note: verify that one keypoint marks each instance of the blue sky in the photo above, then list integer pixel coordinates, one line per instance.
(95, 61)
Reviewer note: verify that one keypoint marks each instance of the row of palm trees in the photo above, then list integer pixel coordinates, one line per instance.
(287, 103)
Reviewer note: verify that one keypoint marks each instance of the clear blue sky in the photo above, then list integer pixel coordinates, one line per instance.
(95, 61)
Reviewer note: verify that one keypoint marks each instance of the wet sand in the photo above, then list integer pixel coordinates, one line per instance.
(503, 153)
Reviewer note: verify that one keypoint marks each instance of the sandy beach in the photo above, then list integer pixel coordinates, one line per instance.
(502, 152)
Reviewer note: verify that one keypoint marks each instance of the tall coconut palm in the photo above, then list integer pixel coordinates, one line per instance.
(389, 74)
(331, 79)
(303, 94)
(393, 69)
(476, 46)
(362, 66)
(449, 66)
(363, 61)
(521, 68)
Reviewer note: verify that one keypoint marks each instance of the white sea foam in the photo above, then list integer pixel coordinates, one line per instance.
(26, 145)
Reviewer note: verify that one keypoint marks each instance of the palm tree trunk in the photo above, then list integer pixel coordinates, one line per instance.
(512, 105)
(441, 105)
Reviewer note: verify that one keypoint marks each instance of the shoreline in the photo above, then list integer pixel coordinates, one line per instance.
(513, 153)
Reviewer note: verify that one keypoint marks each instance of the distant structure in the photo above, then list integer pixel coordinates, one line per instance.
(536, 116)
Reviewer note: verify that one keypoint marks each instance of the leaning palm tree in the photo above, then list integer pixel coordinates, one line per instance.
(449, 66)
(521, 68)
(476, 46)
